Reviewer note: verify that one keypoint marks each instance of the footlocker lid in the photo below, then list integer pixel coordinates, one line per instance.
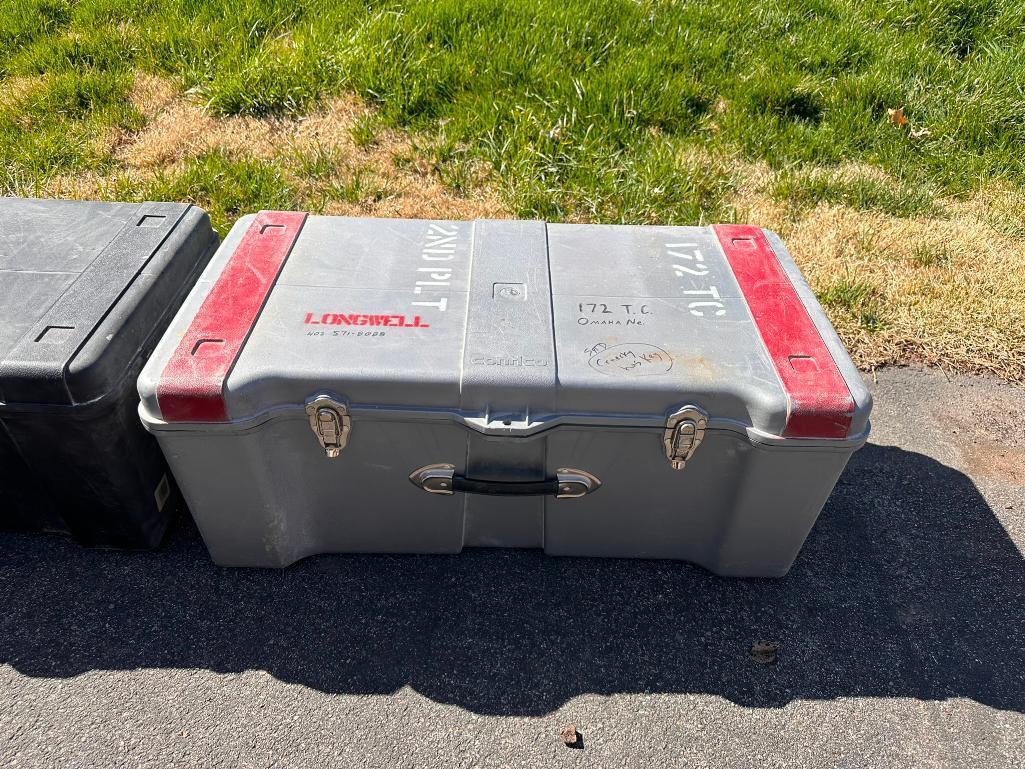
(511, 327)
(84, 287)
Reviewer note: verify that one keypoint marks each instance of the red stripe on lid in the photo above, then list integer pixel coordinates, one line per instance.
(821, 405)
(191, 387)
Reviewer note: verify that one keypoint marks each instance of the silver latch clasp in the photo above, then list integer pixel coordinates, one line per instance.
(685, 429)
(330, 422)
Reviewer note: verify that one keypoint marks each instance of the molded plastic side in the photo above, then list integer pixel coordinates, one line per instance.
(98, 477)
(278, 499)
(738, 509)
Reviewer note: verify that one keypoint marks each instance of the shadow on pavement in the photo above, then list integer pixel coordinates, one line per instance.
(908, 587)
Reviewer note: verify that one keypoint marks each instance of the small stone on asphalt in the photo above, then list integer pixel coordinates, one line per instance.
(765, 652)
(570, 736)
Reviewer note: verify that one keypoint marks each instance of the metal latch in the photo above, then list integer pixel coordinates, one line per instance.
(330, 422)
(685, 429)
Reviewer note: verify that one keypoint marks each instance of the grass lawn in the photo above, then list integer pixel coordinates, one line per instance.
(910, 225)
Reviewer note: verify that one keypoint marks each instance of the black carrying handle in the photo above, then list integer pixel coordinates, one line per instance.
(506, 488)
(568, 483)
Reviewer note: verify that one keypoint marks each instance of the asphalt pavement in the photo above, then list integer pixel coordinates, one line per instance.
(897, 640)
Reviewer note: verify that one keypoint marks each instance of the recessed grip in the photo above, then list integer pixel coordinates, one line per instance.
(568, 483)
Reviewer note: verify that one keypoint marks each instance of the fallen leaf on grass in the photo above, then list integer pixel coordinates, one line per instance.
(918, 133)
(896, 117)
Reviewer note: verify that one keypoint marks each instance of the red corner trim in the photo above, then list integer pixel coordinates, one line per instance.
(821, 405)
(191, 387)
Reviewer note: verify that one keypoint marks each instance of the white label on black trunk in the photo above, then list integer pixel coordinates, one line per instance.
(162, 492)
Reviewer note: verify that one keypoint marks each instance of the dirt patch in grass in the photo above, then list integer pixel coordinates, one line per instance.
(946, 289)
(333, 160)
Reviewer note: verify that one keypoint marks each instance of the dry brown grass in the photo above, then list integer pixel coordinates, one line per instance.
(178, 128)
(946, 290)
(16, 89)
